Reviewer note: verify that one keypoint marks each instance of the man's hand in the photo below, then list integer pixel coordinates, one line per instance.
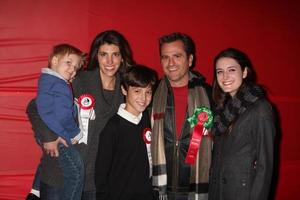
(51, 148)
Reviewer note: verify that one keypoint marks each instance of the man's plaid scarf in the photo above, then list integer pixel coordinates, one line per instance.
(200, 170)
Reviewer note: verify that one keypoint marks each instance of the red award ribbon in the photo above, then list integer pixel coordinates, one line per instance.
(194, 144)
(86, 101)
(201, 119)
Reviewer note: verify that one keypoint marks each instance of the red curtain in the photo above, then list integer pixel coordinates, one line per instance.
(267, 31)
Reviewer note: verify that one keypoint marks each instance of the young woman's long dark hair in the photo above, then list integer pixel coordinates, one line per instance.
(243, 60)
(110, 37)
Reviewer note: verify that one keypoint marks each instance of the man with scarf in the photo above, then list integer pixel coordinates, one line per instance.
(178, 94)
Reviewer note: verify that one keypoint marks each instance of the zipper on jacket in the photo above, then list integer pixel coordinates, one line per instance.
(176, 156)
(175, 165)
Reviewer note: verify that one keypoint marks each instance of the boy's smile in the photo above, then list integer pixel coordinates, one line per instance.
(137, 99)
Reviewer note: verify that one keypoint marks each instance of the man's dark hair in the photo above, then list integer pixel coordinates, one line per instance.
(188, 43)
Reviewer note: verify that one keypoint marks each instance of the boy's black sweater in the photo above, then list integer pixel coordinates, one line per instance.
(122, 166)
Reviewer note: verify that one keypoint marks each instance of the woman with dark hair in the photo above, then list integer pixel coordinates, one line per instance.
(98, 91)
(115, 38)
(244, 131)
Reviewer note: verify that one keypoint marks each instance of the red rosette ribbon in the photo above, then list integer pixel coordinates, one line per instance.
(86, 101)
(147, 135)
(201, 120)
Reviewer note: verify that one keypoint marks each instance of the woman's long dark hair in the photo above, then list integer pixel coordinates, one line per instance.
(243, 60)
(110, 37)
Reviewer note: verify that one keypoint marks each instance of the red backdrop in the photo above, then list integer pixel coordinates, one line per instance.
(267, 30)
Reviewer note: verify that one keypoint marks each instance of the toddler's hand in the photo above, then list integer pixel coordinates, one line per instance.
(74, 141)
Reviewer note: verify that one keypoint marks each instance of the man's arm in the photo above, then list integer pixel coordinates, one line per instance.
(51, 147)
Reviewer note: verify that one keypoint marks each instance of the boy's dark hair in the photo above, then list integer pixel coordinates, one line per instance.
(66, 49)
(139, 76)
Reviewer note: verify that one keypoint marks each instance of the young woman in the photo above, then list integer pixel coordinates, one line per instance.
(243, 130)
(98, 90)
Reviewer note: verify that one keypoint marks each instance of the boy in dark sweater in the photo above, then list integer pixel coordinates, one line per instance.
(123, 165)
